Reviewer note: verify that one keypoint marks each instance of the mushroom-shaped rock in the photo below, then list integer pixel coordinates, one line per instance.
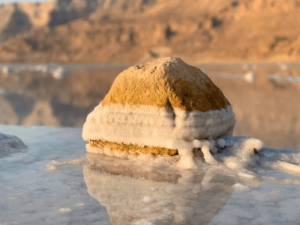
(159, 107)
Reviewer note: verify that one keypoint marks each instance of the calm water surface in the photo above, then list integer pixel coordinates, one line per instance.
(265, 97)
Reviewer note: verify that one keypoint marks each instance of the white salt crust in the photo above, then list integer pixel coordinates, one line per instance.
(154, 126)
(159, 127)
(239, 154)
(65, 210)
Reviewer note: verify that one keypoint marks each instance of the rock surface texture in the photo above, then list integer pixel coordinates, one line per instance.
(165, 83)
(10, 144)
(165, 103)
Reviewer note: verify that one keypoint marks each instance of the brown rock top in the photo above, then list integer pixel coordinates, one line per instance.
(166, 82)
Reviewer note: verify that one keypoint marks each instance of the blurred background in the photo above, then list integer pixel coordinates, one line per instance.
(59, 58)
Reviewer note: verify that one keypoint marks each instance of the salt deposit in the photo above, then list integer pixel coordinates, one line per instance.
(186, 160)
(164, 104)
(41, 68)
(242, 154)
(65, 210)
(181, 200)
(53, 164)
(221, 143)
(250, 77)
(278, 77)
(6, 70)
(58, 73)
(207, 155)
(258, 193)
(154, 126)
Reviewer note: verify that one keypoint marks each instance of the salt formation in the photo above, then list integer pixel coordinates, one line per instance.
(250, 77)
(59, 73)
(54, 164)
(164, 107)
(10, 144)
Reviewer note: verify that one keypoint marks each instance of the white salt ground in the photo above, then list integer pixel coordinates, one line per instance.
(197, 196)
(39, 194)
(262, 186)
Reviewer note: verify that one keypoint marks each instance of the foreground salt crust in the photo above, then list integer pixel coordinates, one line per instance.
(242, 154)
(149, 191)
(212, 194)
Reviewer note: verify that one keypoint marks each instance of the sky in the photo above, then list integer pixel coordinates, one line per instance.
(13, 1)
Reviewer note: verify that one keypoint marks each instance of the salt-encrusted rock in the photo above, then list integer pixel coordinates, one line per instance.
(159, 107)
(10, 144)
(166, 82)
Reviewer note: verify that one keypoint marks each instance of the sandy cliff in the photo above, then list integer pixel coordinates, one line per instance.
(102, 31)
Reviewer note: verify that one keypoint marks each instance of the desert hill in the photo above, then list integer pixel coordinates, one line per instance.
(18, 18)
(125, 31)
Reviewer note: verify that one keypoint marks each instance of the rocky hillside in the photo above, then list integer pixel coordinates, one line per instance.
(121, 31)
(21, 17)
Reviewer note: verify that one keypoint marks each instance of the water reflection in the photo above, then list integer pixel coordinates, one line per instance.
(138, 194)
(55, 95)
(35, 98)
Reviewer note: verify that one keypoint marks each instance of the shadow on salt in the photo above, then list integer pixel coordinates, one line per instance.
(136, 192)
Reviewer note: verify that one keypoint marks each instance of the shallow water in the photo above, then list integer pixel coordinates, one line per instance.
(266, 106)
(57, 182)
